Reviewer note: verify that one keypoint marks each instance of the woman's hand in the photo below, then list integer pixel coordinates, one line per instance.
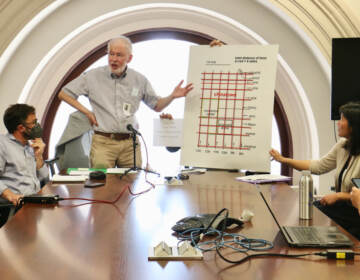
(329, 199)
(276, 155)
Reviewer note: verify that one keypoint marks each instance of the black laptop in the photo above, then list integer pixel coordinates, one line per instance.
(311, 236)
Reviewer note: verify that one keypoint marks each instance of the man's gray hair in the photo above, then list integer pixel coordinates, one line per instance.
(124, 40)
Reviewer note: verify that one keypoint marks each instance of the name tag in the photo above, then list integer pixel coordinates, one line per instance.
(127, 109)
(135, 92)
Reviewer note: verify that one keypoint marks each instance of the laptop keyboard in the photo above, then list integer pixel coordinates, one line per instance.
(306, 234)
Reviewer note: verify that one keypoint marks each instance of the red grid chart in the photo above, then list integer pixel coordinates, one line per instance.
(227, 109)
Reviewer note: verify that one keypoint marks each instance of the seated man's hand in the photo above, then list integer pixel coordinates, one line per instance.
(38, 145)
(12, 197)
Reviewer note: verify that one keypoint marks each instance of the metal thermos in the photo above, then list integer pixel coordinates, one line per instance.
(306, 195)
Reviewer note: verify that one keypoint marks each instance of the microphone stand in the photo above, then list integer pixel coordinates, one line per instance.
(135, 168)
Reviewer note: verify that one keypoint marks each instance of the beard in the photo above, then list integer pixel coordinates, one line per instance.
(118, 71)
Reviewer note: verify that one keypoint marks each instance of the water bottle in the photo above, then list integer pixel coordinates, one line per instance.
(306, 196)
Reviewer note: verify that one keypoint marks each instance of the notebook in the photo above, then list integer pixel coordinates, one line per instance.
(311, 236)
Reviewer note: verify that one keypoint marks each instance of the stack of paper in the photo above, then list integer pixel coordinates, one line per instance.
(263, 178)
(83, 171)
(67, 178)
(86, 171)
(193, 171)
(118, 170)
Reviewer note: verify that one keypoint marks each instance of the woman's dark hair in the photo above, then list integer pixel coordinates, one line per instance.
(17, 114)
(351, 112)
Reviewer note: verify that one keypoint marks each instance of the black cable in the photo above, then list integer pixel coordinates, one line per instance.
(216, 216)
(248, 257)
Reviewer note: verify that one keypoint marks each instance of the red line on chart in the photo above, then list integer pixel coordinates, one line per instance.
(232, 148)
(245, 89)
(207, 136)
(232, 99)
(229, 80)
(242, 113)
(217, 115)
(225, 134)
(224, 118)
(224, 126)
(215, 73)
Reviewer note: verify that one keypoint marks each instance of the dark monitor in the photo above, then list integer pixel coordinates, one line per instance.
(345, 82)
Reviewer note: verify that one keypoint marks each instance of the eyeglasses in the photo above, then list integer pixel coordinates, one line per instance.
(115, 54)
(34, 122)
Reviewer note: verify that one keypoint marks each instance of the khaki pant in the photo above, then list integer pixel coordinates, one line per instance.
(108, 153)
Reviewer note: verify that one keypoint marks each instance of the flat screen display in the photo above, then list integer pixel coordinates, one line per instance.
(345, 83)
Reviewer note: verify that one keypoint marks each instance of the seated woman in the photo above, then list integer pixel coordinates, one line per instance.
(344, 157)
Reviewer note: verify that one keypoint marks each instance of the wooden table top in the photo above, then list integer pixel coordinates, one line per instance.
(102, 241)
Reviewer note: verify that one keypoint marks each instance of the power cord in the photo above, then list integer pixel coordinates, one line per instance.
(241, 244)
(220, 238)
(128, 187)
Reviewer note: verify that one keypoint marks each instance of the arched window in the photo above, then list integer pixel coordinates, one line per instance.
(282, 133)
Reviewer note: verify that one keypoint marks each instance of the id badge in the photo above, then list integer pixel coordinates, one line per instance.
(127, 109)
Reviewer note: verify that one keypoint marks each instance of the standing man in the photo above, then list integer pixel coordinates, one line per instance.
(21, 159)
(115, 92)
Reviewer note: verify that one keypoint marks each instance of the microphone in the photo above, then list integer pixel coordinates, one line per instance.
(132, 129)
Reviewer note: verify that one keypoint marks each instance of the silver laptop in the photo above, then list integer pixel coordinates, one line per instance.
(311, 236)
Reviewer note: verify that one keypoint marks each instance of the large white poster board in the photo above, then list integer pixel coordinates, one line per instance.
(228, 115)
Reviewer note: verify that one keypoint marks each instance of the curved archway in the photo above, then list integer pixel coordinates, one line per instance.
(303, 95)
(150, 34)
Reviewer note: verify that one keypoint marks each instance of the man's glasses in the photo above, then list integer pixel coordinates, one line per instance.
(115, 54)
(34, 122)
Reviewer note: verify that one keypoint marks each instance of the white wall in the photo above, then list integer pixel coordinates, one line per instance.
(303, 76)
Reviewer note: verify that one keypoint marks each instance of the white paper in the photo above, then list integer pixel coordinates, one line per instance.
(80, 172)
(118, 170)
(168, 133)
(228, 116)
(263, 178)
(68, 178)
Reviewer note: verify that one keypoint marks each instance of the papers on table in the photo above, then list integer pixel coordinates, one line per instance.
(82, 174)
(67, 178)
(82, 171)
(86, 171)
(118, 170)
(263, 178)
(193, 171)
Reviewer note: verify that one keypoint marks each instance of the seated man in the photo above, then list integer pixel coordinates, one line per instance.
(21, 154)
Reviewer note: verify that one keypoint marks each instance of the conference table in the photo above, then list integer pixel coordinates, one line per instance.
(78, 240)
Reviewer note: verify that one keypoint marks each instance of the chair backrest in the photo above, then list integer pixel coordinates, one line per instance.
(73, 148)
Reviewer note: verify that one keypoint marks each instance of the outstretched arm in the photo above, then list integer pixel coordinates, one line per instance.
(297, 164)
(177, 93)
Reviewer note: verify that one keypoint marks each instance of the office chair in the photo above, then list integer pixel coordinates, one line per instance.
(73, 148)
